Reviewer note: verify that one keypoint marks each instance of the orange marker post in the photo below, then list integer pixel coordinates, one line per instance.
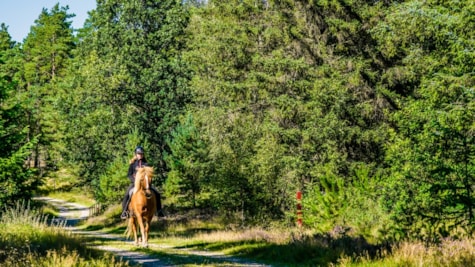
(299, 208)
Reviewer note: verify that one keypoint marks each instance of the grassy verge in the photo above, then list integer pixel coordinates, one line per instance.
(176, 237)
(448, 253)
(276, 247)
(77, 195)
(63, 184)
(26, 239)
(293, 248)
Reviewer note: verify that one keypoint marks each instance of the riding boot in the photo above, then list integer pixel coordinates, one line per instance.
(125, 204)
(159, 211)
(125, 213)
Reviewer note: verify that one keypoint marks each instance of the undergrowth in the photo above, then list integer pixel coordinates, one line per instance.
(448, 253)
(28, 238)
(300, 247)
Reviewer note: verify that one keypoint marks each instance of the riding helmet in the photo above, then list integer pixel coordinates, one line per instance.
(139, 150)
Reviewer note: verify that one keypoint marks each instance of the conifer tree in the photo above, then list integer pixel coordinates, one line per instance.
(431, 152)
(6, 52)
(284, 96)
(46, 52)
(187, 182)
(16, 180)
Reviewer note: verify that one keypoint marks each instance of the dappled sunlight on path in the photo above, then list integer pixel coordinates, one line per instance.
(70, 214)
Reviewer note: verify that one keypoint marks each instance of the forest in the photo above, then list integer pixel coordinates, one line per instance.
(365, 107)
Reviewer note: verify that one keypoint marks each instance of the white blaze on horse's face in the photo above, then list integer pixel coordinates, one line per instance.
(146, 182)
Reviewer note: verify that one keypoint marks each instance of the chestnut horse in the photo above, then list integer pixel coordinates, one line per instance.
(143, 205)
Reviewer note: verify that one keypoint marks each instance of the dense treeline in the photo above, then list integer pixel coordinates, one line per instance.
(367, 107)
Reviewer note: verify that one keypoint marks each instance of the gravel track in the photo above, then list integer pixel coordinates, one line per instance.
(71, 213)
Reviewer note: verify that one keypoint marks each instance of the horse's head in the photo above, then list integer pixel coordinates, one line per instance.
(143, 180)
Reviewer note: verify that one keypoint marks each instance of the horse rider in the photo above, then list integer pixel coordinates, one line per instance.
(138, 161)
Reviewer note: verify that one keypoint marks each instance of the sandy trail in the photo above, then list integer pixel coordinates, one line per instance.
(71, 213)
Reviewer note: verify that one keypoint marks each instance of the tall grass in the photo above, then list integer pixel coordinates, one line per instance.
(277, 246)
(448, 253)
(297, 247)
(27, 238)
(292, 246)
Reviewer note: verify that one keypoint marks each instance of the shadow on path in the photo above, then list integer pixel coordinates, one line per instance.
(71, 214)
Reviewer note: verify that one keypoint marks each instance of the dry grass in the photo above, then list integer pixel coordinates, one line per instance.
(27, 239)
(66, 258)
(449, 253)
(109, 217)
(323, 250)
(298, 247)
(254, 234)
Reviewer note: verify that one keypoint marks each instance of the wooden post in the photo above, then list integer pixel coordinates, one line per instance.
(299, 208)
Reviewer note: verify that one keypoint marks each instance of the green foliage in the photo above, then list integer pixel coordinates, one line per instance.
(47, 47)
(436, 168)
(280, 103)
(234, 87)
(243, 103)
(138, 45)
(186, 182)
(430, 190)
(354, 204)
(93, 130)
(45, 54)
(17, 181)
(113, 181)
(8, 50)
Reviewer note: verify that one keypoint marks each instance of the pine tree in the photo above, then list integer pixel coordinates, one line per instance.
(16, 180)
(46, 51)
(186, 182)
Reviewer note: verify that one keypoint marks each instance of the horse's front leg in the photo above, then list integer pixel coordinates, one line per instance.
(142, 228)
(145, 235)
(134, 229)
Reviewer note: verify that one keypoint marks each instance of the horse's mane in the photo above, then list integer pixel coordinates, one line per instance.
(142, 172)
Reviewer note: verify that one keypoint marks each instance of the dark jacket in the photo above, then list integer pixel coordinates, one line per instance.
(133, 168)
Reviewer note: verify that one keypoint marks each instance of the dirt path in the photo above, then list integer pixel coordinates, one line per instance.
(71, 213)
